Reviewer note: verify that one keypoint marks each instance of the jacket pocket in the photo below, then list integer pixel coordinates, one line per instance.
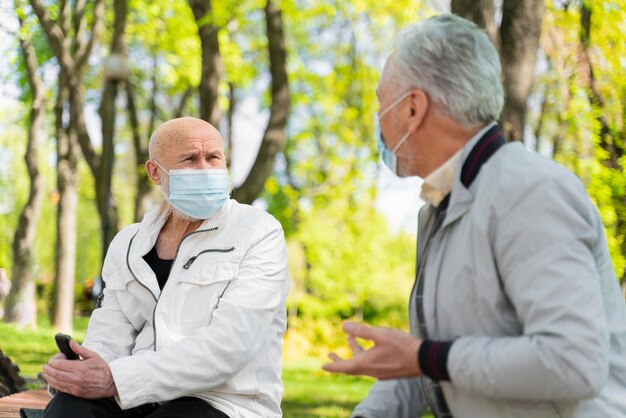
(208, 272)
(200, 290)
(221, 253)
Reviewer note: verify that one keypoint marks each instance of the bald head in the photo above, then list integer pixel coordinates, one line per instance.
(177, 131)
(184, 143)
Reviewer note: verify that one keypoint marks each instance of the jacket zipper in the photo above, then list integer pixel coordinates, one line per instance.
(156, 300)
(216, 250)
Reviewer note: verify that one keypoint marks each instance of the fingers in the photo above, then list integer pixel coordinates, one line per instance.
(354, 346)
(334, 357)
(81, 351)
(363, 331)
(340, 365)
(60, 379)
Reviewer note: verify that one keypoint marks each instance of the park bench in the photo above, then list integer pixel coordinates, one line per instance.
(31, 400)
(13, 393)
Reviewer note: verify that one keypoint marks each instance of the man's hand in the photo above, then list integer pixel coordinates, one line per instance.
(89, 378)
(393, 356)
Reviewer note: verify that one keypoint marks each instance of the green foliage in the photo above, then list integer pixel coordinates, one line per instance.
(344, 260)
(353, 261)
(167, 30)
(571, 116)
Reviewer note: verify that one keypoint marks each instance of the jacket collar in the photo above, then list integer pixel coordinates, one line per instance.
(145, 238)
(155, 219)
(461, 198)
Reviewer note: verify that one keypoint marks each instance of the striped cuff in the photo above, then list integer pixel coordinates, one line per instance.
(432, 358)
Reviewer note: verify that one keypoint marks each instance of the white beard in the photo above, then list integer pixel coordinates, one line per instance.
(164, 187)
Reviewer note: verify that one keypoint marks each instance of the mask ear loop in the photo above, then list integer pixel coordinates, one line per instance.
(164, 170)
(161, 167)
(394, 104)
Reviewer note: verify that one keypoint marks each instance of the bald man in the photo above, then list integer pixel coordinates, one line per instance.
(193, 314)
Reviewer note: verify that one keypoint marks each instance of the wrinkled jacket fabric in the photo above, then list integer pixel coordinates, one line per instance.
(520, 278)
(215, 330)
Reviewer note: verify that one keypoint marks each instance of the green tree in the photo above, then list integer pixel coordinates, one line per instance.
(581, 118)
(20, 304)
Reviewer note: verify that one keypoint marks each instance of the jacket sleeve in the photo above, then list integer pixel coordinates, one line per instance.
(110, 333)
(401, 398)
(543, 244)
(215, 353)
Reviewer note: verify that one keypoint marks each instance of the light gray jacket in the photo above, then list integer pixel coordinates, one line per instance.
(520, 277)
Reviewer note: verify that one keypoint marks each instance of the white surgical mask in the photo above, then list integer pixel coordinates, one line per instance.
(199, 193)
(389, 155)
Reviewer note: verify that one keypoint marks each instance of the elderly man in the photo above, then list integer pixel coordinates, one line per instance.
(516, 310)
(193, 313)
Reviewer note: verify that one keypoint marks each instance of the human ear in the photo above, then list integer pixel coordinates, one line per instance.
(153, 172)
(419, 103)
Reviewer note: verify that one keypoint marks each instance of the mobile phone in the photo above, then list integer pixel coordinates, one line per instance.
(63, 342)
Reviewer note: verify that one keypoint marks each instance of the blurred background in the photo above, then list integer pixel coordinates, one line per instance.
(291, 86)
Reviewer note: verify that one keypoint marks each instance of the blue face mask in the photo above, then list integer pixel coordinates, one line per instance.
(198, 194)
(388, 155)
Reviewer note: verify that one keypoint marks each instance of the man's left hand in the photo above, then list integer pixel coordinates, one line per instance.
(393, 356)
(89, 378)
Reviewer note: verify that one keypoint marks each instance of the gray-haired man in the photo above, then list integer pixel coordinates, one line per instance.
(516, 310)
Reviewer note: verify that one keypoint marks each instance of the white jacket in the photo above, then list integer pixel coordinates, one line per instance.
(215, 331)
(520, 278)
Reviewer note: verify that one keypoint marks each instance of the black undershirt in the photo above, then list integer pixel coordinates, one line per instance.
(160, 267)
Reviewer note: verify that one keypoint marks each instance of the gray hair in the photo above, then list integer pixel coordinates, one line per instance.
(455, 63)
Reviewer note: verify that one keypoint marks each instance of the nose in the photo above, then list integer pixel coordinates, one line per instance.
(203, 164)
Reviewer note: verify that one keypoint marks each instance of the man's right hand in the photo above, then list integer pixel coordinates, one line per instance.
(393, 356)
(89, 378)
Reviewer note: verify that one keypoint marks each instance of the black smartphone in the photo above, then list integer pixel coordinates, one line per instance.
(63, 342)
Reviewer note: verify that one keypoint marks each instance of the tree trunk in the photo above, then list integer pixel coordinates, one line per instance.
(612, 136)
(20, 305)
(180, 110)
(142, 198)
(107, 206)
(230, 118)
(481, 12)
(67, 176)
(144, 184)
(275, 136)
(609, 139)
(72, 52)
(519, 39)
(211, 62)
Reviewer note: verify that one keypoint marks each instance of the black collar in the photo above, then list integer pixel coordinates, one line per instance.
(487, 145)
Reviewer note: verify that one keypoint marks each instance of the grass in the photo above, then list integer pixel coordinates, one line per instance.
(29, 349)
(309, 391)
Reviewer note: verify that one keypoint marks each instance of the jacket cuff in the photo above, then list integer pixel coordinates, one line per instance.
(432, 358)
